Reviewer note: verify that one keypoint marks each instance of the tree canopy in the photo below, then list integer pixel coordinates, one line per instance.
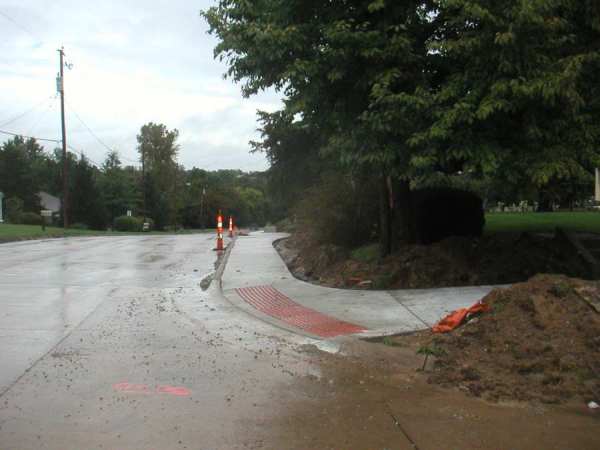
(412, 89)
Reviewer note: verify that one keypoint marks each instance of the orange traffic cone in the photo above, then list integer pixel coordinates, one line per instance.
(220, 246)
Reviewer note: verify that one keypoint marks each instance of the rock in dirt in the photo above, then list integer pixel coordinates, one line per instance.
(539, 341)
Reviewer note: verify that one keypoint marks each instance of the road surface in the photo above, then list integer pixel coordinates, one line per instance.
(111, 343)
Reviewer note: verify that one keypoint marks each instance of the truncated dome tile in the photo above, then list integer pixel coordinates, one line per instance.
(275, 304)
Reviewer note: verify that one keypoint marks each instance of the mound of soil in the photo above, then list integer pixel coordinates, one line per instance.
(539, 341)
(502, 258)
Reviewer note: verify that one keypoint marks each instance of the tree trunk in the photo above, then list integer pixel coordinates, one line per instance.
(397, 218)
(404, 215)
(385, 218)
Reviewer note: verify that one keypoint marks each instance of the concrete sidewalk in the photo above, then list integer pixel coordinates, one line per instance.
(258, 281)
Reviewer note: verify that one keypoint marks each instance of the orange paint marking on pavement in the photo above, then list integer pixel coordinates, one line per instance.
(132, 388)
(173, 390)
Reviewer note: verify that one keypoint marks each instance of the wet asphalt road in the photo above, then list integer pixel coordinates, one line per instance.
(110, 343)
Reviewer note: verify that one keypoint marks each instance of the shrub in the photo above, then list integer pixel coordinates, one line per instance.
(14, 209)
(79, 226)
(285, 226)
(340, 211)
(366, 253)
(128, 223)
(30, 218)
(444, 212)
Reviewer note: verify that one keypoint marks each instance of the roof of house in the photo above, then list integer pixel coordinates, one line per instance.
(49, 201)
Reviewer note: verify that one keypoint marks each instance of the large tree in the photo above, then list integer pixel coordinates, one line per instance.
(119, 189)
(410, 88)
(353, 70)
(17, 177)
(516, 93)
(85, 196)
(158, 149)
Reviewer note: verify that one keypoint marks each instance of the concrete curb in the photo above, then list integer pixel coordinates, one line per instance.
(233, 298)
(223, 263)
(382, 313)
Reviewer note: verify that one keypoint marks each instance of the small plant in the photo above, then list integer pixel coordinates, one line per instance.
(366, 254)
(387, 340)
(561, 289)
(430, 350)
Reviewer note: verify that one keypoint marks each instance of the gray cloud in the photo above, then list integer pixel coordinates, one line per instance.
(133, 62)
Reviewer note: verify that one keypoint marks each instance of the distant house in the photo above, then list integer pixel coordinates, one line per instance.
(49, 202)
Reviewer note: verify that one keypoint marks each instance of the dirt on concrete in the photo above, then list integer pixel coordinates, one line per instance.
(375, 396)
(540, 341)
(502, 258)
(520, 376)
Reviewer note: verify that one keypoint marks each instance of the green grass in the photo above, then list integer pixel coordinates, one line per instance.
(540, 222)
(10, 232)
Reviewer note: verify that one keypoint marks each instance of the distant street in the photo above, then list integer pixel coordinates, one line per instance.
(111, 343)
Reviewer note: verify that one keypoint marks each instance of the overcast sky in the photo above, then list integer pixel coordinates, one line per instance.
(134, 61)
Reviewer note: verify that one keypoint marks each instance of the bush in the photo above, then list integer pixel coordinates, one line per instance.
(444, 212)
(30, 218)
(340, 211)
(132, 223)
(285, 226)
(79, 226)
(367, 253)
(128, 223)
(14, 209)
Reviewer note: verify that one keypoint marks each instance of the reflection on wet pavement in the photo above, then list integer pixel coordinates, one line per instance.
(100, 338)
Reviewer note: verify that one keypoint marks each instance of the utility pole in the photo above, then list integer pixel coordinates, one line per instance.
(143, 182)
(65, 174)
(202, 207)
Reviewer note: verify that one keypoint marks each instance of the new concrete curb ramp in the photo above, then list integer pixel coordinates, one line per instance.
(254, 262)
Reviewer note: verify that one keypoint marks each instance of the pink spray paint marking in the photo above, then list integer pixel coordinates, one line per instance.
(173, 390)
(131, 388)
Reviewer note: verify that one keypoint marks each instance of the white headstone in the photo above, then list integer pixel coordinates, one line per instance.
(128, 213)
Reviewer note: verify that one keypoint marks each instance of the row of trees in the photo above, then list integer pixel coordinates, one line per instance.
(409, 92)
(162, 190)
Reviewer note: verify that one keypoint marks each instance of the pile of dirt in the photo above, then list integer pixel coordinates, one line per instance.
(539, 341)
(502, 258)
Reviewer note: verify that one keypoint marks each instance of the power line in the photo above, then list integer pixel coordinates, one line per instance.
(18, 25)
(29, 137)
(19, 116)
(100, 141)
(95, 136)
(41, 117)
(80, 153)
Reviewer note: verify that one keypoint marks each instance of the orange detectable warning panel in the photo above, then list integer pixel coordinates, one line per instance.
(275, 304)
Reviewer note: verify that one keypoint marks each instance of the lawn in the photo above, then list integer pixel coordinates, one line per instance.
(573, 221)
(10, 232)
